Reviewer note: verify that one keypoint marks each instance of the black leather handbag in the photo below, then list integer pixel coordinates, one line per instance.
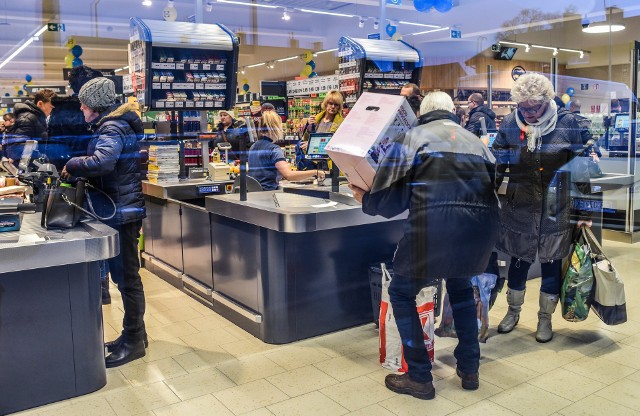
(63, 205)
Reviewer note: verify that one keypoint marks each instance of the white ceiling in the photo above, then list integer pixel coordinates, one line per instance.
(101, 27)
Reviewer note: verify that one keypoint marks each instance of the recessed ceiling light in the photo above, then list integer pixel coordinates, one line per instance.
(147, 3)
(603, 28)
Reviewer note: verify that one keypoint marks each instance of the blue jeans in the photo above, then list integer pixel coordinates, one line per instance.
(551, 275)
(402, 292)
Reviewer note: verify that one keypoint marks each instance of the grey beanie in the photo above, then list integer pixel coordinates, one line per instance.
(98, 94)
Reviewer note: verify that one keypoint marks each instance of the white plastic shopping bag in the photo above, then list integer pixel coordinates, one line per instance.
(391, 356)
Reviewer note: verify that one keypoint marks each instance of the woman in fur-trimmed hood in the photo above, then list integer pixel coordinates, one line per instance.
(112, 164)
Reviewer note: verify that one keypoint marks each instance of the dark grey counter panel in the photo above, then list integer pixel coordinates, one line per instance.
(196, 244)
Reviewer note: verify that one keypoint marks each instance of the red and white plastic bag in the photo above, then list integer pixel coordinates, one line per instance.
(391, 356)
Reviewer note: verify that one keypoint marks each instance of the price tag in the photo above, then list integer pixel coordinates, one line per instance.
(219, 67)
(155, 86)
(218, 104)
(183, 85)
(199, 86)
(388, 76)
(208, 103)
(156, 65)
(166, 85)
(170, 104)
(179, 66)
(160, 104)
(193, 66)
(179, 104)
(199, 104)
(206, 67)
(189, 104)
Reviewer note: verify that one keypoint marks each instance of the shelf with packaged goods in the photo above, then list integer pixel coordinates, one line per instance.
(199, 86)
(188, 104)
(188, 66)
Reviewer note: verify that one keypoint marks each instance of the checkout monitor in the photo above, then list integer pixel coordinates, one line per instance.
(621, 121)
(317, 143)
(491, 135)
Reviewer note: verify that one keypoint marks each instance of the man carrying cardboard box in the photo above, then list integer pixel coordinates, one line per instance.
(445, 177)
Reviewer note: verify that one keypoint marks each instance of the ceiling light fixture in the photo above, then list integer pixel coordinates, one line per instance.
(256, 65)
(527, 48)
(242, 71)
(121, 69)
(326, 13)
(285, 15)
(26, 43)
(171, 4)
(602, 28)
(361, 22)
(147, 3)
(555, 51)
(429, 31)
(376, 24)
(209, 6)
(271, 65)
(581, 55)
(417, 24)
(242, 3)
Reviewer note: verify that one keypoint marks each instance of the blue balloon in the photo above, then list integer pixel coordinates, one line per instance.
(570, 91)
(443, 6)
(567, 105)
(391, 30)
(20, 92)
(313, 74)
(245, 87)
(28, 78)
(6, 94)
(76, 51)
(312, 64)
(423, 5)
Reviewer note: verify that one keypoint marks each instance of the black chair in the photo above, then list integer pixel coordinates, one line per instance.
(252, 185)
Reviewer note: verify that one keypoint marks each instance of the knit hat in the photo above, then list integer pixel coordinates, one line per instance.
(98, 94)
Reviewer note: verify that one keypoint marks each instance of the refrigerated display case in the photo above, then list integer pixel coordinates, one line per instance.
(373, 65)
(183, 66)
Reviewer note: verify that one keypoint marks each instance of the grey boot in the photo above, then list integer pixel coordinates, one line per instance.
(547, 307)
(515, 299)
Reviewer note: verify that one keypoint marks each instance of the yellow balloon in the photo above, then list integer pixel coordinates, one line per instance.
(68, 60)
(245, 81)
(565, 98)
(307, 56)
(16, 88)
(71, 42)
(306, 71)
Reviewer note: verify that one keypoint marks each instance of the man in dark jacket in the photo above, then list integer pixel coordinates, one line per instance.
(445, 177)
(68, 133)
(31, 123)
(112, 164)
(478, 110)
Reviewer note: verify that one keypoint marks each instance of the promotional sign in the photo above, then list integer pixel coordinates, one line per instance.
(58, 89)
(315, 85)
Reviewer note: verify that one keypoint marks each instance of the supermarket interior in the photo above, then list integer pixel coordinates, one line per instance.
(238, 142)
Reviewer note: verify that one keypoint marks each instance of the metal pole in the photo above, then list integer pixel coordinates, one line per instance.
(489, 85)
(199, 11)
(554, 74)
(383, 18)
(633, 128)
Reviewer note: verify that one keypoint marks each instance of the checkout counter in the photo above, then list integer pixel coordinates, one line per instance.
(51, 333)
(281, 265)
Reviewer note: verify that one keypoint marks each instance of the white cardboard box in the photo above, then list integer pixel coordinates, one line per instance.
(363, 137)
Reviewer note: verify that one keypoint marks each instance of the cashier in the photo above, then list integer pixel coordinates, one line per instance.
(232, 131)
(327, 121)
(267, 163)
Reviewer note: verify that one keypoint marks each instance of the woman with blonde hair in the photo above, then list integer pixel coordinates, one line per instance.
(266, 159)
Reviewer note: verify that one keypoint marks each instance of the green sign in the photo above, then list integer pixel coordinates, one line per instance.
(55, 27)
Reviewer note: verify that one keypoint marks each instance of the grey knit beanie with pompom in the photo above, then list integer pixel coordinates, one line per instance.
(98, 94)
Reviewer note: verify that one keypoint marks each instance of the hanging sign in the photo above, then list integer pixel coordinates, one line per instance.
(315, 85)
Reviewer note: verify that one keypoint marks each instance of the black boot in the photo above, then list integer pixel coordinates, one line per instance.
(106, 296)
(125, 353)
(112, 345)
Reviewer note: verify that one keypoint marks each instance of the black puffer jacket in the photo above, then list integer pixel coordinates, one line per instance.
(31, 124)
(113, 164)
(535, 218)
(234, 134)
(445, 176)
(69, 134)
(474, 125)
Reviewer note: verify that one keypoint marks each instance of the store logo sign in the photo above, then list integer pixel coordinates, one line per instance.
(517, 72)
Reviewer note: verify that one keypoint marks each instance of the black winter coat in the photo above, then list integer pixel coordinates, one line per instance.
(113, 164)
(69, 134)
(474, 125)
(445, 176)
(31, 124)
(234, 134)
(535, 217)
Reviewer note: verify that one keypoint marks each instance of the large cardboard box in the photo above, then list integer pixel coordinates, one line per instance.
(364, 136)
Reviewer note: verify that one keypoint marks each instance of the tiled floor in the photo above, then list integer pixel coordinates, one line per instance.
(198, 363)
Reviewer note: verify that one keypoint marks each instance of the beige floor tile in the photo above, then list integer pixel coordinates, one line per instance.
(597, 337)
(109, 332)
(95, 406)
(633, 341)
(347, 341)
(444, 364)
(625, 392)
(159, 350)
(297, 355)
(485, 408)
(310, 404)
(566, 384)
(596, 406)
(151, 372)
(141, 399)
(177, 302)
(206, 322)
(599, 369)
(301, 381)
(197, 360)
(529, 400)
(451, 389)
(206, 339)
(247, 347)
(505, 374)
(357, 393)
(203, 405)
(347, 367)
(375, 410)
(501, 346)
(543, 360)
(405, 405)
(150, 321)
(199, 383)
(263, 411)
(239, 333)
(621, 354)
(250, 396)
(115, 381)
(635, 376)
(250, 368)
(171, 331)
(176, 315)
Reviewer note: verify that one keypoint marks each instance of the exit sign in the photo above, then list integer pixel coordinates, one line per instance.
(55, 27)
(456, 34)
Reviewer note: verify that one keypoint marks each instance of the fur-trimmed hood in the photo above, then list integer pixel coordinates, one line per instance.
(125, 112)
